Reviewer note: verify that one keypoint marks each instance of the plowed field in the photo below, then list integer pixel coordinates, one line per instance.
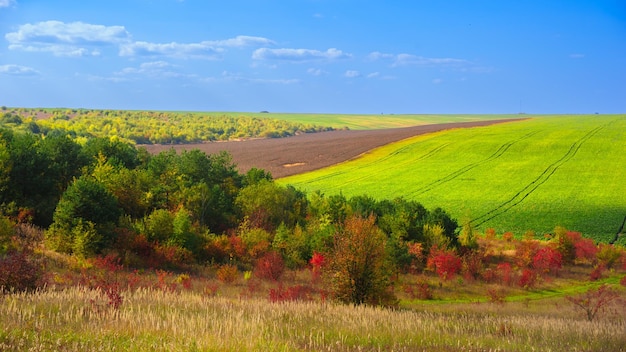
(307, 152)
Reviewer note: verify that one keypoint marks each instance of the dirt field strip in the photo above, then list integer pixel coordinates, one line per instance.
(307, 152)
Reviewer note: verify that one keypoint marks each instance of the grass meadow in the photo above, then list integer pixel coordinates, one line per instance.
(156, 320)
(530, 175)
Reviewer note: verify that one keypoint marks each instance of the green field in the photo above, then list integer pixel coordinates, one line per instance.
(526, 175)
(364, 122)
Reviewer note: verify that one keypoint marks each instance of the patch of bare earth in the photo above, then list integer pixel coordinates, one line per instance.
(307, 152)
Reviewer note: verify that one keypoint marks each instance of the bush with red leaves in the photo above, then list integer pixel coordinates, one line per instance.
(19, 272)
(548, 260)
(291, 293)
(270, 266)
(445, 262)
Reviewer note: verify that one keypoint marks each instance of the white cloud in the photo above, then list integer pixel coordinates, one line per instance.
(409, 59)
(373, 75)
(177, 50)
(209, 49)
(576, 56)
(298, 55)
(437, 81)
(241, 41)
(6, 3)
(379, 56)
(18, 70)
(66, 39)
(316, 71)
(352, 74)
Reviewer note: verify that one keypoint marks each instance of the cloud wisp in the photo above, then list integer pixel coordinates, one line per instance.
(6, 3)
(76, 39)
(415, 60)
(209, 49)
(18, 70)
(66, 39)
(298, 55)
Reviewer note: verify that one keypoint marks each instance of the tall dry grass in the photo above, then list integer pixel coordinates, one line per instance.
(78, 319)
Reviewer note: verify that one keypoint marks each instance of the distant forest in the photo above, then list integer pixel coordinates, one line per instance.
(150, 127)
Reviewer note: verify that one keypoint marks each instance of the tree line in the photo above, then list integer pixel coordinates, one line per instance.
(151, 127)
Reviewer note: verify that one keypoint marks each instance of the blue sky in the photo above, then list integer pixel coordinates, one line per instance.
(330, 56)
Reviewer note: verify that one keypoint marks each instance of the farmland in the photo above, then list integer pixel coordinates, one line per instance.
(526, 175)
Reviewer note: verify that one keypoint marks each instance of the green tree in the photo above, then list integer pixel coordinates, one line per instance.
(85, 202)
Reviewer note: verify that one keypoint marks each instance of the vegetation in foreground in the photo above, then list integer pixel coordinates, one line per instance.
(526, 175)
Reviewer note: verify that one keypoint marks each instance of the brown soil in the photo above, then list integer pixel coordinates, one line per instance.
(293, 155)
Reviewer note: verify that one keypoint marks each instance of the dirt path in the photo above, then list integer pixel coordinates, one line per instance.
(293, 155)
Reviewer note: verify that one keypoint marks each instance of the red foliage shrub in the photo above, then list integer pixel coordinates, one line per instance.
(420, 290)
(490, 275)
(504, 271)
(445, 262)
(597, 271)
(317, 263)
(508, 236)
(110, 263)
(524, 253)
(528, 279)
(292, 293)
(172, 256)
(548, 260)
(20, 272)
(586, 250)
(623, 281)
(472, 265)
(595, 301)
(270, 266)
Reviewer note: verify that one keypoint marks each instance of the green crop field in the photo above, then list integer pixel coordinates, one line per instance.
(530, 175)
(364, 122)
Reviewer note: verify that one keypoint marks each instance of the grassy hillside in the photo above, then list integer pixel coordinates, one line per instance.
(528, 175)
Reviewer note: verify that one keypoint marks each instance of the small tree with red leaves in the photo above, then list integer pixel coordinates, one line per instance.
(318, 261)
(445, 262)
(270, 266)
(548, 260)
(595, 301)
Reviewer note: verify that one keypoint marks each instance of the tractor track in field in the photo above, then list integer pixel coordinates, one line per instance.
(427, 155)
(498, 153)
(527, 190)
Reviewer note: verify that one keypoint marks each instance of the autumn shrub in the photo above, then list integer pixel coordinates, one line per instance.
(595, 301)
(472, 265)
(270, 266)
(528, 279)
(609, 254)
(524, 252)
(508, 236)
(548, 260)
(419, 290)
(227, 273)
(318, 261)
(586, 250)
(597, 272)
(504, 272)
(290, 293)
(359, 270)
(445, 262)
(19, 271)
